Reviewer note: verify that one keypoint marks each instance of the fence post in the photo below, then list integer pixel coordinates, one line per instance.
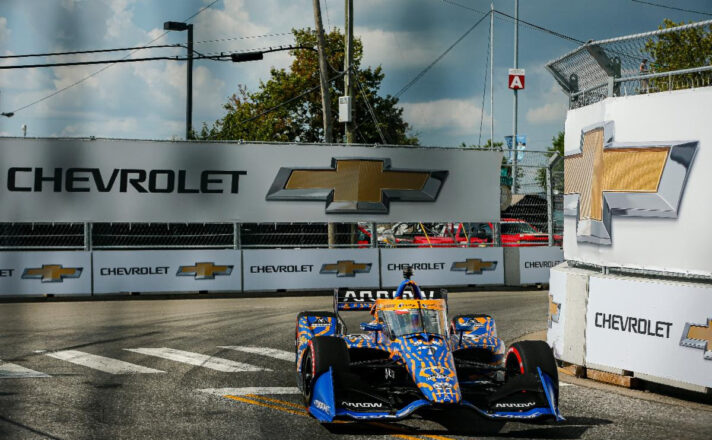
(87, 236)
(553, 161)
(496, 236)
(374, 235)
(236, 244)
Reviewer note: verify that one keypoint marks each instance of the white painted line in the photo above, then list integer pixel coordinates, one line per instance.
(251, 390)
(564, 384)
(14, 371)
(101, 363)
(197, 359)
(264, 351)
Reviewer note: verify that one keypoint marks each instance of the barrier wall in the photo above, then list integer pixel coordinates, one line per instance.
(657, 330)
(107, 272)
(161, 271)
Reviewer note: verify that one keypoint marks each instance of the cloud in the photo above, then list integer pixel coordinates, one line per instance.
(553, 110)
(460, 116)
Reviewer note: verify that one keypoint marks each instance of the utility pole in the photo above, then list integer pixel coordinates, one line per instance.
(492, 74)
(189, 98)
(325, 98)
(348, 60)
(516, 66)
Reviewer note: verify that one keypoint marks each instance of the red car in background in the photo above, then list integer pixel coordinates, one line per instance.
(514, 233)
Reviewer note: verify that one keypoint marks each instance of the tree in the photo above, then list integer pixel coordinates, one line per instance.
(679, 50)
(268, 114)
(557, 146)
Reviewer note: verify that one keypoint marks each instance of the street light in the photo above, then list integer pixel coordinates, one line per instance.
(179, 26)
(8, 114)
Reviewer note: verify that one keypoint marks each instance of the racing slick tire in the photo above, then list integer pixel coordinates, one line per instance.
(321, 353)
(525, 356)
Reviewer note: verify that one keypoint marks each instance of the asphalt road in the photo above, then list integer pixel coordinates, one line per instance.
(159, 369)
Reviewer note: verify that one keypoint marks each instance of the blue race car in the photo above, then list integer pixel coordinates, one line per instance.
(409, 358)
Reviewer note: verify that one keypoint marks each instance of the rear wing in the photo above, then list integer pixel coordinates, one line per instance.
(363, 299)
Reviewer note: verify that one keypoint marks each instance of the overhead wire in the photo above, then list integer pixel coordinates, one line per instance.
(80, 52)
(672, 7)
(249, 37)
(484, 90)
(440, 57)
(91, 75)
(370, 111)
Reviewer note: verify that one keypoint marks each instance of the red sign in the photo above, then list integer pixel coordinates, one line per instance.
(516, 79)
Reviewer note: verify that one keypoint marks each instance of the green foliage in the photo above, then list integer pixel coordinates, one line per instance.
(301, 119)
(679, 50)
(557, 146)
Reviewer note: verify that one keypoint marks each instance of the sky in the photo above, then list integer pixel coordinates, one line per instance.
(445, 108)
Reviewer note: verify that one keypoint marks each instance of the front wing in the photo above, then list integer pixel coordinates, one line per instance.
(326, 405)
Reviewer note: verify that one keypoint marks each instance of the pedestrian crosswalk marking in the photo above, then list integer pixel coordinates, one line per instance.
(198, 359)
(264, 351)
(14, 371)
(101, 363)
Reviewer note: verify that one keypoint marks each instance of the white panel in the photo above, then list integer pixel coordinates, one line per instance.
(439, 266)
(663, 244)
(642, 326)
(38, 273)
(557, 301)
(166, 271)
(106, 180)
(535, 262)
(272, 269)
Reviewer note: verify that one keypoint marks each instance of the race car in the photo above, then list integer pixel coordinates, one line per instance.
(409, 358)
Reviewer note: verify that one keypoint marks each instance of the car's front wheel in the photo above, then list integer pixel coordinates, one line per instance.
(525, 356)
(322, 353)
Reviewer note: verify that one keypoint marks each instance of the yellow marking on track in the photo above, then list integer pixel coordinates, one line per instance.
(267, 405)
(301, 411)
(278, 401)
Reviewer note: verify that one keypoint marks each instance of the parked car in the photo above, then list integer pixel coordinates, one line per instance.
(514, 233)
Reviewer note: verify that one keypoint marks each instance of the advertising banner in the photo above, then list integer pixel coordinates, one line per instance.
(662, 329)
(636, 187)
(166, 271)
(38, 273)
(556, 313)
(293, 269)
(535, 262)
(443, 266)
(105, 180)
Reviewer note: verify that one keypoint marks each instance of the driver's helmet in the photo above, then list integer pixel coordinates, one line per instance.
(415, 320)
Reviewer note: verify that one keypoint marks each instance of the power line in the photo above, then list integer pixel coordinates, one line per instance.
(440, 57)
(672, 7)
(250, 37)
(76, 83)
(484, 90)
(79, 52)
(541, 28)
(86, 63)
(370, 111)
(526, 23)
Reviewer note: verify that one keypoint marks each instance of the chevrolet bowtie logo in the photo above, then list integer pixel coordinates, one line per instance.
(698, 336)
(605, 178)
(346, 268)
(473, 266)
(51, 273)
(357, 185)
(203, 271)
(554, 310)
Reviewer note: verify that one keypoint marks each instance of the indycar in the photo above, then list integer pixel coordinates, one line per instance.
(409, 359)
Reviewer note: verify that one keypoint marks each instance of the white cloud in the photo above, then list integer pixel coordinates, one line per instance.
(553, 108)
(461, 116)
(395, 48)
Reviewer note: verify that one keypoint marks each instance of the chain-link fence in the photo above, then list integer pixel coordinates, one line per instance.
(673, 58)
(527, 218)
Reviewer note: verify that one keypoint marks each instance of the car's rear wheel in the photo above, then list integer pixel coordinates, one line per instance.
(525, 356)
(322, 353)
